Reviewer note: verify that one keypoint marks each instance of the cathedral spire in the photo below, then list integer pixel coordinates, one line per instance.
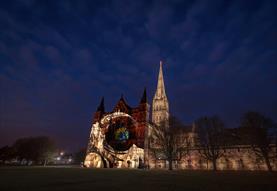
(160, 108)
(160, 92)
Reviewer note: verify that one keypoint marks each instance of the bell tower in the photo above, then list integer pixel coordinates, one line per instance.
(160, 109)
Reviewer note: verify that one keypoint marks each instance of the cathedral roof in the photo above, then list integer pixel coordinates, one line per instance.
(122, 106)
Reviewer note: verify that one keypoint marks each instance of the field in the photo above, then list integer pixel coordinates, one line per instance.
(51, 178)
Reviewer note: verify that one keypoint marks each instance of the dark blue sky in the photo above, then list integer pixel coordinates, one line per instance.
(58, 58)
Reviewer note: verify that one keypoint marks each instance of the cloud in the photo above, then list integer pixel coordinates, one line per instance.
(158, 20)
(48, 34)
(218, 52)
(62, 56)
(3, 48)
(54, 55)
(26, 3)
(26, 56)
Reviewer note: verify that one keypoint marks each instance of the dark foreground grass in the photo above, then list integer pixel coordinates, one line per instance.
(35, 178)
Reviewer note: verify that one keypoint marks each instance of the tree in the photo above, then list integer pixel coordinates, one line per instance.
(274, 138)
(45, 150)
(169, 141)
(210, 138)
(23, 149)
(258, 131)
(80, 156)
(6, 153)
(36, 149)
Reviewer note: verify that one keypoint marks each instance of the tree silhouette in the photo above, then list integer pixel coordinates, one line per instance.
(6, 153)
(210, 138)
(258, 131)
(168, 141)
(35, 149)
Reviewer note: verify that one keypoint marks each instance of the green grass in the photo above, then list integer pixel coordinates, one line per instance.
(36, 178)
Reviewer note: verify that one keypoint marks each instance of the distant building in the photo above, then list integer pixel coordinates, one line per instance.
(120, 139)
(62, 158)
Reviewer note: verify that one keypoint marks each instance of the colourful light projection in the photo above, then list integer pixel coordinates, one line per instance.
(122, 134)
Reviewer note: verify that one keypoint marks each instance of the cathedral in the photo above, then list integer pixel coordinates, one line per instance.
(121, 138)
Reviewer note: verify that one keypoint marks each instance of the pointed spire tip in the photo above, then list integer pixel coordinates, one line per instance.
(144, 96)
(160, 92)
(101, 106)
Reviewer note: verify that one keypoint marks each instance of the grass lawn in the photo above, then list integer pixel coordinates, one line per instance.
(50, 178)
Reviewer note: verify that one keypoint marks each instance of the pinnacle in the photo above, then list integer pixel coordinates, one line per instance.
(101, 106)
(160, 92)
(144, 97)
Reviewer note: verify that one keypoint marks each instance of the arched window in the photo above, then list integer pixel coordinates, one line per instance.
(240, 164)
(228, 164)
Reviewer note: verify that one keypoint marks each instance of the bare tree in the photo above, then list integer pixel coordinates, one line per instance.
(169, 141)
(36, 149)
(258, 131)
(46, 149)
(210, 138)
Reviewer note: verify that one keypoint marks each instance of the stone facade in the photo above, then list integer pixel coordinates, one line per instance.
(121, 139)
(239, 157)
(117, 138)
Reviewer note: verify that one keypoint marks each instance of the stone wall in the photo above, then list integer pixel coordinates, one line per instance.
(234, 158)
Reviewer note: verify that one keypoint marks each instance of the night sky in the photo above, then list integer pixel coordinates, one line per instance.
(58, 58)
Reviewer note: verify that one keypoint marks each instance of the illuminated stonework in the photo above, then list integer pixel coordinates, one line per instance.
(117, 138)
(120, 139)
(160, 108)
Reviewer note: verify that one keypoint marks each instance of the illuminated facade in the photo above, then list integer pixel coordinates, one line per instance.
(117, 138)
(120, 139)
(160, 108)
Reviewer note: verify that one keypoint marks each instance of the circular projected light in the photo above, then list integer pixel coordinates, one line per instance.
(121, 134)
